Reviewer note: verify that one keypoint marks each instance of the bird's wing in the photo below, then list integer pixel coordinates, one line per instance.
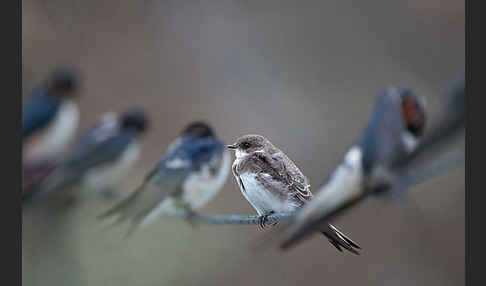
(37, 112)
(105, 134)
(93, 153)
(163, 181)
(298, 182)
(107, 126)
(279, 175)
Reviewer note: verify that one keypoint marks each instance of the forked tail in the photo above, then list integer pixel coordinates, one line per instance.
(339, 240)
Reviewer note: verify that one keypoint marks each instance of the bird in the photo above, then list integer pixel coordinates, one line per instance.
(393, 132)
(50, 115)
(272, 183)
(193, 170)
(100, 158)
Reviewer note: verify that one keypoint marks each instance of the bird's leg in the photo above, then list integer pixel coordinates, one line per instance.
(263, 219)
(189, 213)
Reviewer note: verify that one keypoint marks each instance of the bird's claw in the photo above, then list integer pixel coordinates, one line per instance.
(189, 215)
(263, 220)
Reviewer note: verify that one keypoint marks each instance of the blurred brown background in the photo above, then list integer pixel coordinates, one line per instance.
(303, 73)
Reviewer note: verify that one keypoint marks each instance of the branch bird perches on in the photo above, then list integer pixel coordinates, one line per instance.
(229, 219)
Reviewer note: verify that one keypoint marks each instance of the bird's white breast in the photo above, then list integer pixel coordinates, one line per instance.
(107, 175)
(199, 188)
(345, 184)
(57, 134)
(261, 199)
(410, 141)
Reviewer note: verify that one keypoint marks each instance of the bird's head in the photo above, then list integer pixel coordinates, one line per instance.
(394, 129)
(249, 144)
(63, 83)
(198, 129)
(134, 119)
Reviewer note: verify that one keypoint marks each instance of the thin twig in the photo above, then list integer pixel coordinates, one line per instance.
(229, 219)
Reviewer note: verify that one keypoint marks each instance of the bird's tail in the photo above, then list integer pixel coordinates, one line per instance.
(33, 174)
(122, 210)
(339, 240)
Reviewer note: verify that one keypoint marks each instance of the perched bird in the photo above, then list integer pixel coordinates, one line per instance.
(272, 183)
(50, 116)
(188, 176)
(392, 133)
(101, 157)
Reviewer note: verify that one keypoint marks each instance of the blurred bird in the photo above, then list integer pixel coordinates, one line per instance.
(272, 183)
(101, 157)
(188, 176)
(50, 116)
(392, 133)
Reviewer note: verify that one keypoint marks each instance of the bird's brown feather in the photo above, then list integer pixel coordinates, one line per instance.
(278, 168)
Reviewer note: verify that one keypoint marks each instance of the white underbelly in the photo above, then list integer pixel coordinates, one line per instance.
(262, 200)
(56, 135)
(198, 190)
(201, 187)
(108, 175)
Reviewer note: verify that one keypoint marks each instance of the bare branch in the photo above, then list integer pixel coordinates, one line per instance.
(229, 219)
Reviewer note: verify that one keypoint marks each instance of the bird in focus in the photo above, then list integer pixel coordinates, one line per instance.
(272, 183)
(100, 158)
(393, 132)
(50, 116)
(186, 178)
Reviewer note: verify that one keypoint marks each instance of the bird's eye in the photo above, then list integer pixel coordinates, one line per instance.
(246, 145)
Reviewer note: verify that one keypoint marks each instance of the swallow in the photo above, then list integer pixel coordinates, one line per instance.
(100, 158)
(186, 178)
(50, 116)
(392, 133)
(272, 183)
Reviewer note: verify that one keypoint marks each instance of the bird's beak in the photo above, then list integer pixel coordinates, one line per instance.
(232, 146)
